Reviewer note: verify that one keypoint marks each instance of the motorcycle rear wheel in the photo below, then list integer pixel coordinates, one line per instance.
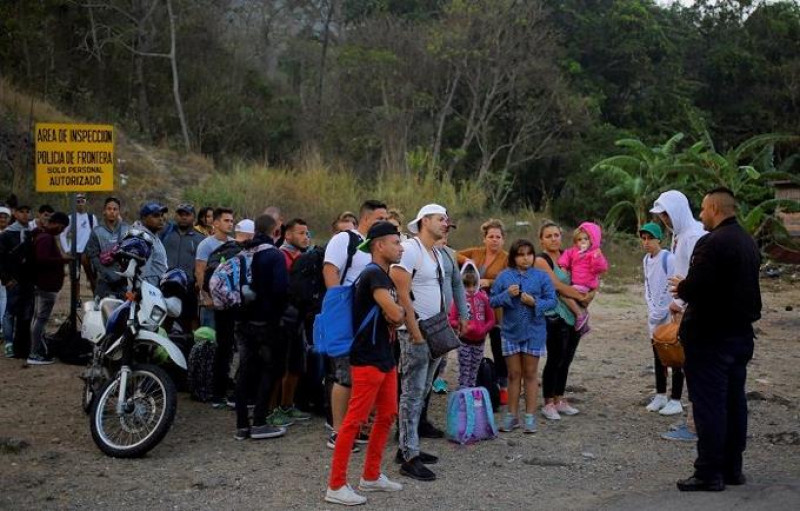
(150, 407)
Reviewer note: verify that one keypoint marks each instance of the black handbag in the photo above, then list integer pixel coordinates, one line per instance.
(436, 330)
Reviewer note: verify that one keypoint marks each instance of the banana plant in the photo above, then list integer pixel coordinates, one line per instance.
(641, 175)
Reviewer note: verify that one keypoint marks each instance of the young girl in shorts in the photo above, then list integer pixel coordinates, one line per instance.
(525, 294)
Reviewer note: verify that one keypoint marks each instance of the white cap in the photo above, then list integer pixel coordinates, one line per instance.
(5, 210)
(657, 208)
(246, 226)
(429, 209)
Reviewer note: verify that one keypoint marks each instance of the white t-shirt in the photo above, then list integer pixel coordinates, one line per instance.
(336, 254)
(425, 284)
(84, 231)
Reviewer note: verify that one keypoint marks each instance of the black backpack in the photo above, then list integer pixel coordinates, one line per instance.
(226, 251)
(487, 378)
(306, 285)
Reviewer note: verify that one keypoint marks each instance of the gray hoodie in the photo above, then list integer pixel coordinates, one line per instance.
(102, 238)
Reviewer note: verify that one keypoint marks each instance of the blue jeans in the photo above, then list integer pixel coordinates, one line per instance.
(417, 375)
(43, 307)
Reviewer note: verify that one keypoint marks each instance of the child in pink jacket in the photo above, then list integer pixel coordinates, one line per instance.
(586, 263)
(481, 320)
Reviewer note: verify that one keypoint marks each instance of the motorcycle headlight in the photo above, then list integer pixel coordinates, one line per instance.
(157, 314)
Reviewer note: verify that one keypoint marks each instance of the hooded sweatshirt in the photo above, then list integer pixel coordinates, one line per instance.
(587, 266)
(685, 230)
(657, 269)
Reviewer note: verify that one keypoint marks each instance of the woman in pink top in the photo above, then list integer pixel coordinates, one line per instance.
(586, 263)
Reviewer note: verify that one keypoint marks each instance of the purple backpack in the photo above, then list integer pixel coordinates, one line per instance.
(470, 417)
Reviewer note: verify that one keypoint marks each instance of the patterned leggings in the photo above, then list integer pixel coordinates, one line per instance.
(469, 360)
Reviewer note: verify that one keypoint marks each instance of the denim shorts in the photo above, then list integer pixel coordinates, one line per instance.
(533, 347)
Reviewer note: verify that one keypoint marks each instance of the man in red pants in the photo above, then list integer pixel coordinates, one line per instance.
(372, 367)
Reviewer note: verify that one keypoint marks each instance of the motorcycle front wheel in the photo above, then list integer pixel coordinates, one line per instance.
(148, 411)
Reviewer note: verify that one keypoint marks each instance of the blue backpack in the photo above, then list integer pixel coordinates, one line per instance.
(333, 326)
(470, 417)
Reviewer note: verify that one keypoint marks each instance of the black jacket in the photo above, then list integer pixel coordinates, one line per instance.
(270, 283)
(16, 257)
(722, 288)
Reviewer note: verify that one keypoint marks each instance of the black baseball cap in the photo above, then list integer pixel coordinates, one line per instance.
(378, 229)
(185, 207)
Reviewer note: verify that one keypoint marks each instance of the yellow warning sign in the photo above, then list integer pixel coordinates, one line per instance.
(74, 157)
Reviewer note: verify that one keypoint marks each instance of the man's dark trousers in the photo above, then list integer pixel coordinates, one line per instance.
(716, 374)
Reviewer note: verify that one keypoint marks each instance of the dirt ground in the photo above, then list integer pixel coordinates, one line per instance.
(608, 457)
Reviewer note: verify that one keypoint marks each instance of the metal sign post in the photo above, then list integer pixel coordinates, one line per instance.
(74, 272)
(74, 158)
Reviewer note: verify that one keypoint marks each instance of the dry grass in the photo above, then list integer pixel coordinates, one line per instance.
(142, 172)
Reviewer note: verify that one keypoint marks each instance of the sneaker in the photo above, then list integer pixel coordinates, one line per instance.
(332, 443)
(362, 438)
(279, 419)
(563, 407)
(428, 430)
(345, 496)
(657, 403)
(529, 423)
(242, 434)
(673, 407)
(439, 386)
(415, 469)
(296, 415)
(328, 426)
(510, 423)
(8, 350)
(219, 404)
(549, 411)
(581, 320)
(424, 457)
(382, 483)
(681, 434)
(266, 431)
(38, 360)
(503, 396)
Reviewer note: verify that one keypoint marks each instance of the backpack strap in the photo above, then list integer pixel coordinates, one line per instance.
(352, 247)
(487, 402)
(664, 261)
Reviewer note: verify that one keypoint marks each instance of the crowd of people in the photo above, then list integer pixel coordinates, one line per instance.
(529, 304)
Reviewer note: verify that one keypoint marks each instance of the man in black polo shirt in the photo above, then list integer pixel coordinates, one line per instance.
(724, 299)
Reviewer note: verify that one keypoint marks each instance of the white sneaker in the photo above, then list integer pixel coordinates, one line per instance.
(563, 407)
(382, 483)
(674, 407)
(344, 496)
(550, 412)
(657, 403)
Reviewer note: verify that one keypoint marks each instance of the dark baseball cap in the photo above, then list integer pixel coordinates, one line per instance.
(151, 208)
(185, 208)
(378, 230)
